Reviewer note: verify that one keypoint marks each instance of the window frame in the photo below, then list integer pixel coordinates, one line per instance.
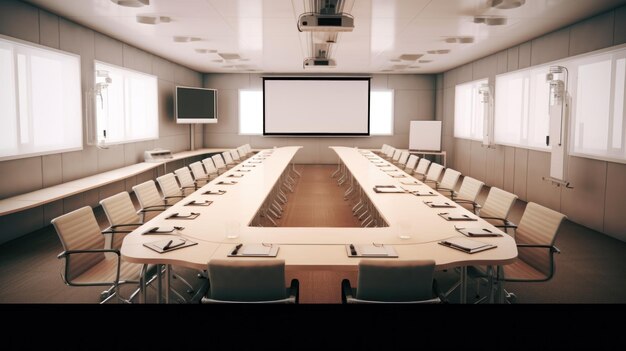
(475, 84)
(20, 42)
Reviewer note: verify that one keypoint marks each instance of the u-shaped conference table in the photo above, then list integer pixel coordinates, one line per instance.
(414, 229)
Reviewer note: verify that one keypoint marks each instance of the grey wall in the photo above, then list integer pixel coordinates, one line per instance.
(414, 100)
(598, 199)
(26, 22)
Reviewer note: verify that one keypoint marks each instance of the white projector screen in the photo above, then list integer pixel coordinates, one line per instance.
(316, 106)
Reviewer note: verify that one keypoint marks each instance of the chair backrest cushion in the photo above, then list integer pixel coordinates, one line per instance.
(198, 170)
(184, 177)
(450, 178)
(234, 155)
(399, 281)
(240, 280)
(412, 162)
(470, 188)
(434, 172)
(498, 203)
(169, 185)
(404, 156)
(79, 230)
(538, 226)
(227, 158)
(219, 161)
(390, 151)
(396, 155)
(147, 194)
(209, 165)
(119, 209)
(422, 167)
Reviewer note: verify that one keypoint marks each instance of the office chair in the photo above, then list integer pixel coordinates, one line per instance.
(228, 160)
(235, 156)
(434, 172)
(421, 169)
(402, 160)
(249, 281)
(149, 199)
(210, 168)
(382, 151)
(219, 163)
(448, 182)
(85, 261)
(389, 154)
(386, 281)
(497, 207)
(396, 156)
(122, 216)
(199, 174)
(535, 236)
(187, 183)
(410, 164)
(172, 192)
(467, 194)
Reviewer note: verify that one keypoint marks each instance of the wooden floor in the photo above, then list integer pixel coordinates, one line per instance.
(317, 201)
(591, 268)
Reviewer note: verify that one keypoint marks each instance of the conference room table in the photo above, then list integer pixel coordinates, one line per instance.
(412, 228)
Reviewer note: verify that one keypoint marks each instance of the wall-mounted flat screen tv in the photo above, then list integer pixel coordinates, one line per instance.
(196, 105)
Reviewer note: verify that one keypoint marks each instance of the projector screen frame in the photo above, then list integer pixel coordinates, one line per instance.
(321, 78)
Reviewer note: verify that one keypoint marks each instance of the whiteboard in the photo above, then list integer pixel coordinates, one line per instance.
(425, 136)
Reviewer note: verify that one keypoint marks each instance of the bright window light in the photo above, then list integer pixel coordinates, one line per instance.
(522, 111)
(469, 110)
(40, 100)
(126, 105)
(250, 112)
(381, 112)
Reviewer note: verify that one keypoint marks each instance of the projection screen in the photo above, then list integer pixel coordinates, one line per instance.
(316, 106)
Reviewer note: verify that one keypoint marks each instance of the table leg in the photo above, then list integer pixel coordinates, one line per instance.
(463, 287)
(499, 286)
(159, 283)
(167, 283)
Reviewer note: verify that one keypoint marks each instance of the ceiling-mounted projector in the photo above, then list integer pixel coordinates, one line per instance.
(318, 62)
(315, 22)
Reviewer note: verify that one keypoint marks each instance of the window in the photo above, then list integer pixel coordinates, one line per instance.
(126, 105)
(522, 112)
(250, 112)
(598, 83)
(469, 110)
(40, 101)
(381, 112)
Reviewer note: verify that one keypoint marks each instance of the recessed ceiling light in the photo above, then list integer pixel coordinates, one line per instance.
(507, 4)
(218, 61)
(490, 20)
(386, 70)
(459, 40)
(229, 56)
(410, 57)
(182, 39)
(395, 60)
(132, 3)
(244, 59)
(399, 66)
(206, 51)
(425, 61)
(414, 67)
(149, 19)
(438, 52)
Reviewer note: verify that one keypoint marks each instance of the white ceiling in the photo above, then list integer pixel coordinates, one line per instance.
(264, 32)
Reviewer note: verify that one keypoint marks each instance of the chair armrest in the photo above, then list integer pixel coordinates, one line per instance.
(113, 229)
(71, 252)
(505, 222)
(174, 197)
(553, 249)
(346, 291)
(67, 253)
(437, 293)
(154, 208)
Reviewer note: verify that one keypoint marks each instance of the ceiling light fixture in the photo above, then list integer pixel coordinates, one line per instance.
(206, 51)
(229, 56)
(131, 3)
(507, 4)
(182, 39)
(425, 61)
(410, 57)
(150, 19)
(490, 20)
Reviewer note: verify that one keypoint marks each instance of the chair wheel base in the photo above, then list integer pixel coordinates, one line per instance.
(104, 295)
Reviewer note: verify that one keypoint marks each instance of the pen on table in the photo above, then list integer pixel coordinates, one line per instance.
(236, 249)
(167, 246)
(352, 250)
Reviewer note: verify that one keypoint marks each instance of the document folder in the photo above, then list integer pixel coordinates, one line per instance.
(439, 204)
(254, 250)
(467, 245)
(168, 245)
(183, 215)
(477, 232)
(456, 217)
(161, 230)
(371, 250)
(199, 203)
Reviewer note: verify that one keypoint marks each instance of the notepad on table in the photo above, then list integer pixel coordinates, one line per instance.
(167, 245)
(389, 189)
(161, 230)
(371, 250)
(214, 192)
(227, 182)
(457, 217)
(423, 193)
(408, 182)
(242, 170)
(235, 175)
(183, 215)
(467, 245)
(199, 203)
(264, 250)
(439, 204)
(477, 232)
(396, 175)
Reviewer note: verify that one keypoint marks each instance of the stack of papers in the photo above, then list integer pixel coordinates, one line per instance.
(467, 245)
